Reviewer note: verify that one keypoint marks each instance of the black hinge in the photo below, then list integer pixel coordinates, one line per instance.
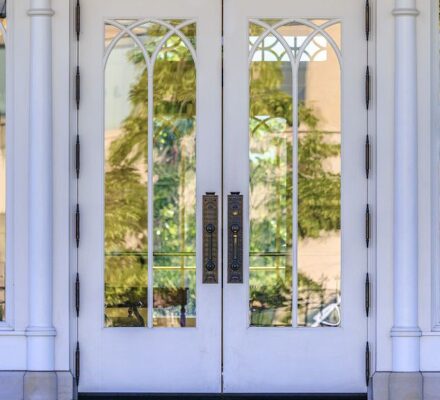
(367, 19)
(77, 363)
(3, 10)
(367, 364)
(77, 225)
(367, 225)
(77, 294)
(77, 156)
(78, 20)
(367, 156)
(367, 88)
(367, 295)
(78, 87)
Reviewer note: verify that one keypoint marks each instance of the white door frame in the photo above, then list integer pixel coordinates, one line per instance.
(371, 322)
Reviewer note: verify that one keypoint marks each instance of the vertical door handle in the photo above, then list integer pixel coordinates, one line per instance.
(235, 264)
(210, 263)
(210, 238)
(235, 238)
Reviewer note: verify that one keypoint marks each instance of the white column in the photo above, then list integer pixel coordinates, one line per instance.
(405, 333)
(40, 331)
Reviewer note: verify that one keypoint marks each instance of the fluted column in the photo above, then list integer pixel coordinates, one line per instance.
(405, 332)
(40, 332)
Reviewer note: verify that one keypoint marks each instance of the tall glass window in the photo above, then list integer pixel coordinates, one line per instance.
(150, 173)
(295, 173)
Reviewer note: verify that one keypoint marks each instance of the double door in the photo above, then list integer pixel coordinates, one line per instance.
(222, 194)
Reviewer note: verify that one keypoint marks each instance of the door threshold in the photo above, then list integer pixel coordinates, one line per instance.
(187, 396)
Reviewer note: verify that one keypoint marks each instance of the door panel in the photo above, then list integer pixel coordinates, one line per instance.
(294, 118)
(150, 131)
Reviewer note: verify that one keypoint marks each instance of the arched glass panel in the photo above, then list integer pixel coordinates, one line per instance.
(295, 173)
(319, 188)
(174, 159)
(126, 180)
(271, 141)
(150, 173)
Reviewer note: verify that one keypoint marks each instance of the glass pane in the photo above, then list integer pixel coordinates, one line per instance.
(2, 172)
(150, 35)
(319, 187)
(126, 176)
(174, 156)
(295, 176)
(270, 185)
(126, 282)
(295, 35)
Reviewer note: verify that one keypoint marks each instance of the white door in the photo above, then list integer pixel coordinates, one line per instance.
(286, 313)
(150, 132)
(294, 132)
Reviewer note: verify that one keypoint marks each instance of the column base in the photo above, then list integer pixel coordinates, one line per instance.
(30, 385)
(401, 386)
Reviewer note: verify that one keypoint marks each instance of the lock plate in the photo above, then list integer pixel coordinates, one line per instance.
(210, 238)
(235, 238)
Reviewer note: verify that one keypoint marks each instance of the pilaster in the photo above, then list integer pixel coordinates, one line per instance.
(40, 331)
(406, 332)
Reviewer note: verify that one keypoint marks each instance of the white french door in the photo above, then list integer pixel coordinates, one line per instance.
(294, 133)
(150, 132)
(165, 186)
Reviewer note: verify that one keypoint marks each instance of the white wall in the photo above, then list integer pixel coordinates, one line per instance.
(12, 334)
(12, 338)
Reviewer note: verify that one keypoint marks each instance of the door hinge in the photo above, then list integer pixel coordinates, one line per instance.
(77, 156)
(78, 20)
(367, 225)
(367, 364)
(367, 156)
(77, 225)
(367, 295)
(367, 19)
(77, 294)
(77, 87)
(367, 87)
(77, 363)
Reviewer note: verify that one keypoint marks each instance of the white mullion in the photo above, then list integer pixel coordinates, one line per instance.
(295, 108)
(150, 194)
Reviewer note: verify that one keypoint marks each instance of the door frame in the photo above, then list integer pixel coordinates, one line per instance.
(68, 224)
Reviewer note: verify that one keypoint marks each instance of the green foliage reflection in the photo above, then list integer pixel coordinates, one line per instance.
(174, 105)
(271, 185)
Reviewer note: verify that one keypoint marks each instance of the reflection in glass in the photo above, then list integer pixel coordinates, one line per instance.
(142, 57)
(319, 193)
(295, 168)
(2, 167)
(126, 175)
(270, 186)
(174, 185)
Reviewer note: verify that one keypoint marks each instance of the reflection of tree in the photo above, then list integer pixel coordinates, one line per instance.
(271, 114)
(174, 187)
(126, 205)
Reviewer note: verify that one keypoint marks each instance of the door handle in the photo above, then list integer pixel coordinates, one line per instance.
(210, 238)
(235, 264)
(235, 238)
